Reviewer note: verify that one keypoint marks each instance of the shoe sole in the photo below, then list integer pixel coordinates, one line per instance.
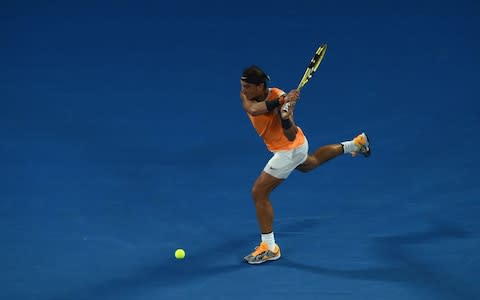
(367, 154)
(265, 260)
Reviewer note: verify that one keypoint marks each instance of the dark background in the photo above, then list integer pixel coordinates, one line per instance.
(122, 138)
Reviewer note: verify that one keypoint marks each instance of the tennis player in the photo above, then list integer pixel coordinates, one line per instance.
(286, 140)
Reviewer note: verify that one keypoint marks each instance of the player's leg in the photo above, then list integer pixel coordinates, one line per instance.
(268, 249)
(261, 190)
(320, 156)
(359, 145)
(275, 172)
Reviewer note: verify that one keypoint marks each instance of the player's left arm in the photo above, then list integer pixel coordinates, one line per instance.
(288, 123)
(286, 116)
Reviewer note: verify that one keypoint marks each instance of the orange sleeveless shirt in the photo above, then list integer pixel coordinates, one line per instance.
(269, 127)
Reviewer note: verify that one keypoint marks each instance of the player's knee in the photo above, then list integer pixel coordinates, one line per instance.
(303, 169)
(307, 167)
(258, 193)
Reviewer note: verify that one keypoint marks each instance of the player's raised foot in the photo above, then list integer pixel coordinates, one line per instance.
(262, 254)
(363, 144)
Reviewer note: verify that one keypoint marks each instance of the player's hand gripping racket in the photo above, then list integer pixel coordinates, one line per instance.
(311, 69)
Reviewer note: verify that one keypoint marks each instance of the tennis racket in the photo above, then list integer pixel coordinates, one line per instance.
(311, 69)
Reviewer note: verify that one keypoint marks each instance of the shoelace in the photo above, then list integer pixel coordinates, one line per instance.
(360, 141)
(259, 249)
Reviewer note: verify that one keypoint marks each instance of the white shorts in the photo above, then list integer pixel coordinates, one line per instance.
(284, 162)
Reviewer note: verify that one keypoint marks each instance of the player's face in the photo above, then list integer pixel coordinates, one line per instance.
(251, 90)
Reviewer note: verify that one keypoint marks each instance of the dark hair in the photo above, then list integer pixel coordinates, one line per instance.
(255, 75)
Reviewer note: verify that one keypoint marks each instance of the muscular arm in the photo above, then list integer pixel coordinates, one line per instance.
(291, 132)
(254, 108)
(286, 116)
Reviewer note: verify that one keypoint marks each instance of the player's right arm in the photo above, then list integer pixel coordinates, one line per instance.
(259, 108)
(252, 107)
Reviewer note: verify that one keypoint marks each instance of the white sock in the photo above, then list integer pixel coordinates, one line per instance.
(269, 238)
(349, 147)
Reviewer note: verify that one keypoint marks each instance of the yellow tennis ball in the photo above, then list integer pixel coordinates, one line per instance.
(180, 254)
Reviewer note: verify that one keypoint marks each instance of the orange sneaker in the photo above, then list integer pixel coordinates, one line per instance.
(262, 254)
(363, 145)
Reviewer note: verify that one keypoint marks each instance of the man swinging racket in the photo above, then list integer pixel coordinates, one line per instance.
(271, 112)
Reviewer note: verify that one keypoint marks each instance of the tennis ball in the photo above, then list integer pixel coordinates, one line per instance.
(180, 254)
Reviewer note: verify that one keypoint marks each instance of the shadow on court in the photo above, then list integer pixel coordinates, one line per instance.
(171, 272)
(403, 266)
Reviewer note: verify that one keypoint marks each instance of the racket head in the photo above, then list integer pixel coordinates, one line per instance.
(313, 66)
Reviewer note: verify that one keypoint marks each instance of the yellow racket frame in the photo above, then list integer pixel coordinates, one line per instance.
(313, 66)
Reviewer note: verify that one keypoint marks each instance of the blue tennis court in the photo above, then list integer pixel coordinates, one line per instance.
(122, 138)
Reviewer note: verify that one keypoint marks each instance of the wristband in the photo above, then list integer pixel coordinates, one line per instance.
(286, 124)
(272, 104)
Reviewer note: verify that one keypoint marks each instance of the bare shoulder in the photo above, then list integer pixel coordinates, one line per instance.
(246, 103)
(244, 98)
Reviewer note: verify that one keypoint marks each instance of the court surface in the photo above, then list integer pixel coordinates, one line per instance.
(122, 138)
